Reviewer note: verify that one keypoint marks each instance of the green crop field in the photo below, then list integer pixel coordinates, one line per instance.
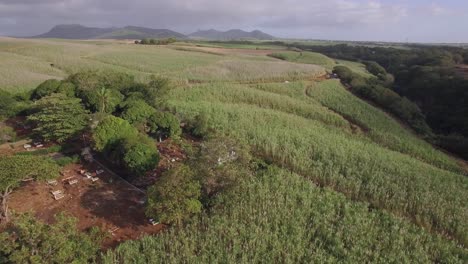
(322, 60)
(345, 181)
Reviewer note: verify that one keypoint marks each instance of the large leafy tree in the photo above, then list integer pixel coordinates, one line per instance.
(31, 241)
(8, 104)
(59, 117)
(137, 111)
(110, 131)
(221, 163)
(164, 124)
(46, 88)
(139, 155)
(14, 169)
(175, 197)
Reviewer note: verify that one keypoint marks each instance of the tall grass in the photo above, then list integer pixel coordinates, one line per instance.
(278, 217)
(361, 169)
(382, 128)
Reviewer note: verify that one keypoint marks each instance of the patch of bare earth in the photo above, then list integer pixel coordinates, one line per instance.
(108, 203)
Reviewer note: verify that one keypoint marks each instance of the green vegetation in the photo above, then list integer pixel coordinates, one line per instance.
(164, 125)
(28, 240)
(59, 117)
(278, 168)
(426, 75)
(305, 57)
(175, 197)
(277, 217)
(375, 91)
(110, 131)
(156, 41)
(18, 168)
(140, 155)
(348, 163)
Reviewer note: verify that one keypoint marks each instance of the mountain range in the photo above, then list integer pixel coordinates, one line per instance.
(74, 31)
(232, 34)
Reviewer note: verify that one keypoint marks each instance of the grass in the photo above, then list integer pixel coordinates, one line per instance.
(354, 185)
(29, 62)
(322, 60)
(277, 217)
(364, 170)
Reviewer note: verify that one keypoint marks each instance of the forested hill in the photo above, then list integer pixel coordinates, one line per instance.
(128, 32)
(429, 76)
(233, 34)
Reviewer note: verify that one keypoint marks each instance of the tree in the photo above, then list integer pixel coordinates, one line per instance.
(221, 164)
(137, 111)
(103, 95)
(17, 168)
(110, 131)
(31, 241)
(158, 91)
(175, 197)
(102, 100)
(164, 124)
(59, 117)
(46, 88)
(8, 105)
(67, 88)
(139, 155)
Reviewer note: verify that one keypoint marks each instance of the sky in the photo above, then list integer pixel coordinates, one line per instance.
(377, 20)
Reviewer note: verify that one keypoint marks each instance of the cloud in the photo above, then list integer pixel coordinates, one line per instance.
(285, 17)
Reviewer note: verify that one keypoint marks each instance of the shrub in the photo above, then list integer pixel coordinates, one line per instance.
(59, 117)
(136, 111)
(175, 197)
(64, 161)
(46, 88)
(139, 155)
(164, 125)
(110, 131)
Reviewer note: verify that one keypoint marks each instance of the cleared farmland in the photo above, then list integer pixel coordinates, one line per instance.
(344, 179)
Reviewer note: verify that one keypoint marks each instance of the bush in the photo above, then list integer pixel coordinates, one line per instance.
(136, 111)
(175, 197)
(139, 155)
(7, 134)
(46, 88)
(164, 125)
(8, 105)
(64, 161)
(110, 131)
(374, 90)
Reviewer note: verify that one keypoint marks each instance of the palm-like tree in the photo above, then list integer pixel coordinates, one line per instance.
(104, 96)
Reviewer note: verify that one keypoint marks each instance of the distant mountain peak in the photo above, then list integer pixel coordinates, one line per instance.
(77, 31)
(232, 34)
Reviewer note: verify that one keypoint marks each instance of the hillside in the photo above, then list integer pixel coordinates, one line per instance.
(128, 32)
(233, 34)
(330, 177)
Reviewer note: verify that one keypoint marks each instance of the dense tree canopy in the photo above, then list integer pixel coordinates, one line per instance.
(139, 155)
(59, 117)
(221, 164)
(46, 88)
(8, 105)
(136, 111)
(110, 131)
(31, 241)
(164, 125)
(17, 168)
(175, 197)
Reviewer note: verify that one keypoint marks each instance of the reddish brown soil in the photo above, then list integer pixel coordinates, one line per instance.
(110, 204)
(171, 154)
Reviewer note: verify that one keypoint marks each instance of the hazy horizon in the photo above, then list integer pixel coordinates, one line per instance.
(356, 20)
